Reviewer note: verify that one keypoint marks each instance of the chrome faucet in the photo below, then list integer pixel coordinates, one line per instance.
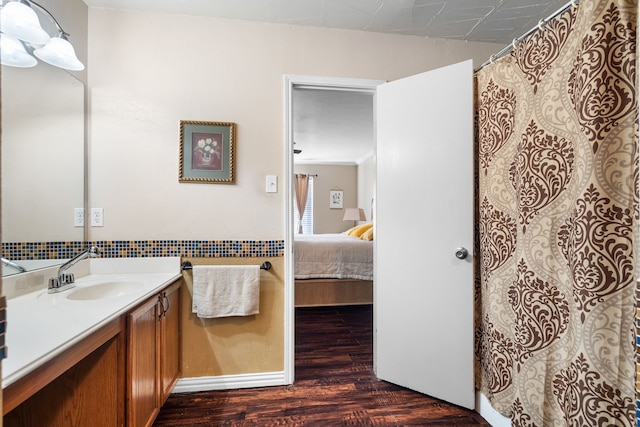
(14, 265)
(64, 280)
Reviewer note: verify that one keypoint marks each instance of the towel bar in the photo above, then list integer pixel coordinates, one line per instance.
(186, 265)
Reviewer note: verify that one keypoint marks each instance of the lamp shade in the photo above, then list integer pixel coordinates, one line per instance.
(354, 214)
(60, 53)
(20, 21)
(13, 53)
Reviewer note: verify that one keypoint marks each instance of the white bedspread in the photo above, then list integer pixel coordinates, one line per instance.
(335, 256)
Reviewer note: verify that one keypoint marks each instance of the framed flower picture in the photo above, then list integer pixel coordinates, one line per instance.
(335, 199)
(207, 152)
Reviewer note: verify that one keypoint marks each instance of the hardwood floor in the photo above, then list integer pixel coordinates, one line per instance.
(334, 386)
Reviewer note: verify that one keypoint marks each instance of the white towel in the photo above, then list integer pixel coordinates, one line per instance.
(226, 290)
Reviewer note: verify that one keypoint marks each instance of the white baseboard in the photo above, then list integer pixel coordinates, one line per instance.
(229, 382)
(486, 411)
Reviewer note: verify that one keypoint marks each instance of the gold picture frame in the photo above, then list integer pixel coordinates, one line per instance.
(207, 152)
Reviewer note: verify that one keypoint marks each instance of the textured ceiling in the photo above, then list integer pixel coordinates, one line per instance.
(343, 132)
(494, 21)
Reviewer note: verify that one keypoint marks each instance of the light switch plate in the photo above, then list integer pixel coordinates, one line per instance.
(272, 184)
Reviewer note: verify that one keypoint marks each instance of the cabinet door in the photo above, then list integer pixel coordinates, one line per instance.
(170, 340)
(142, 364)
(90, 393)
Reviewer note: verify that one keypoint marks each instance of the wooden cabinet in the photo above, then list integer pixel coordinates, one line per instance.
(153, 364)
(87, 385)
(83, 388)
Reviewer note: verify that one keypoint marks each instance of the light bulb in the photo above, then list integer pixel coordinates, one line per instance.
(13, 53)
(20, 21)
(60, 53)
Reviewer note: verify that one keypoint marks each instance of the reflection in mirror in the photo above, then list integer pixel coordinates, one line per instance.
(42, 162)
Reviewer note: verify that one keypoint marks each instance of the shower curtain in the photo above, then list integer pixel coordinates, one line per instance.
(557, 168)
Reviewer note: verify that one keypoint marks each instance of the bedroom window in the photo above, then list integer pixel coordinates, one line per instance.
(307, 218)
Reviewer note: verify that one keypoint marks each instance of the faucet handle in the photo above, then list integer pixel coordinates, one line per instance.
(94, 251)
(66, 278)
(54, 283)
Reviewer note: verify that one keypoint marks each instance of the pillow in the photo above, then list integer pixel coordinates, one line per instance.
(358, 230)
(367, 235)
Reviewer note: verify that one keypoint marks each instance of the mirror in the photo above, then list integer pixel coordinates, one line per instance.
(43, 135)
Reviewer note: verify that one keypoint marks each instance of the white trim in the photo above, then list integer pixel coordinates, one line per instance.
(229, 382)
(289, 309)
(486, 411)
(313, 82)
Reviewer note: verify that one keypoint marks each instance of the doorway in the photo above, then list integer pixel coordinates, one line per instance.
(423, 130)
(306, 83)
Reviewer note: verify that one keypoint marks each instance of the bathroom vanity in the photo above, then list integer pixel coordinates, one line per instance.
(105, 352)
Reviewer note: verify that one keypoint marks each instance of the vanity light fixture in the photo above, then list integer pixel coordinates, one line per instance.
(19, 22)
(14, 54)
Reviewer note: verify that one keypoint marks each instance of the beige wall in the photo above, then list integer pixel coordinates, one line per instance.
(42, 128)
(331, 177)
(235, 345)
(150, 70)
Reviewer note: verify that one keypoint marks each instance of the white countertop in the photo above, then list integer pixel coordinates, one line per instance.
(41, 326)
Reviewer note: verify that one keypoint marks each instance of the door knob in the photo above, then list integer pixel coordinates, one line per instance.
(461, 253)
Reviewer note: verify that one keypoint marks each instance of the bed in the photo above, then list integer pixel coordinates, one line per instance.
(333, 269)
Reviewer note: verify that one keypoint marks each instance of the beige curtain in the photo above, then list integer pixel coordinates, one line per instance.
(557, 135)
(301, 189)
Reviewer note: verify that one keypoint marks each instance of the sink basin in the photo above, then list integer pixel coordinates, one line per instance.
(104, 290)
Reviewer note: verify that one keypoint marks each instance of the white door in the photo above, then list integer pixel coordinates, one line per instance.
(424, 213)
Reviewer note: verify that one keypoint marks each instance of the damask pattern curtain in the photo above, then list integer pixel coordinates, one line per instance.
(557, 135)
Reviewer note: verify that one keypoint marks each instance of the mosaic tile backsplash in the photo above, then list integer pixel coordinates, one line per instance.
(16, 251)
